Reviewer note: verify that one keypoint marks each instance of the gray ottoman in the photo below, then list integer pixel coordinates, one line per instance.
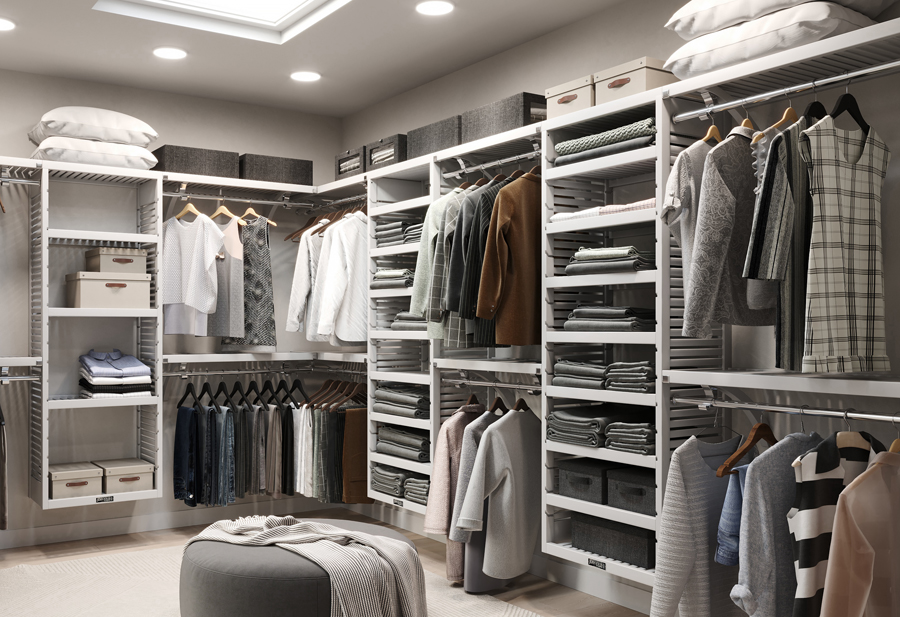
(225, 580)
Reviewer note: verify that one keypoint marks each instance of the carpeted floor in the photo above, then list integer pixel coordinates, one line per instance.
(145, 584)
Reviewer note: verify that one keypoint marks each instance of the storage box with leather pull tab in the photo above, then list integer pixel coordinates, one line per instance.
(630, 78)
(126, 475)
(109, 259)
(571, 96)
(108, 290)
(75, 480)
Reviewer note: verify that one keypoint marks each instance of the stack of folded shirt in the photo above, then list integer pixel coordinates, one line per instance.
(389, 480)
(348, 165)
(639, 377)
(609, 259)
(569, 374)
(647, 204)
(631, 137)
(637, 437)
(411, 444)
(413, 234)
(387, 278)
(587, 426)
(390, 233)
(407, 322)
(383, 155)
(416, 487)
(611, 319)
(402, 400)
(113, 375)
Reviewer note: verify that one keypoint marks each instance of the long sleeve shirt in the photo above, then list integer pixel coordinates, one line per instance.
(427, 247)
(320, 283)
(304, 276)
(344, 308)
(468, 453)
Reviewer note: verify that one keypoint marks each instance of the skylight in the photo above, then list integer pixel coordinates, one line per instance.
(272, 21)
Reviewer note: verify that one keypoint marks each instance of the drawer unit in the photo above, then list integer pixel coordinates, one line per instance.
(385, 152)
(632, 489)
(572, 96)
(434, 137)
(631, 78)
(350, 163)
(614, 540)
(276, 169)
(584, 479)
(200, 161)
(109, 290)
(126, 475)
(107, 259)
(75, 480)
(510, 113)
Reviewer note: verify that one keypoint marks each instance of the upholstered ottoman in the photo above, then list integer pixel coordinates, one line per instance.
(226, 580)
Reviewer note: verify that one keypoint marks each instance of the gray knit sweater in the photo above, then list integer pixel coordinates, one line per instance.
(471, 440)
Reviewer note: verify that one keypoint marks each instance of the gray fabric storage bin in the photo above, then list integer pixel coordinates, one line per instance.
(510, 113)
(584, 479)
(200, 161)
(632, 489)
(614, 540)
(276, 169)
(400, 149)
(358, 153)
(434, 137)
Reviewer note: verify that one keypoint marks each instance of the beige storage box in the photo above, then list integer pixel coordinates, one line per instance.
(572, 96)
(626, 79)
(75, 480)
(126, 475)
(108, 290)
(107, 259)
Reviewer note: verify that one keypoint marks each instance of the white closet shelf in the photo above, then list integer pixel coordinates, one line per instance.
(621, 165)
(386, 418)
(101, 236)
(602, 338)
(605, 512)
(249, 186)
(605, 221)
(330, 356)
(599, 280)
(398, 335)
(850, 384)
(98, 174)
(90, 500)
(211, 358)
(423, 379)
(346, 187)
(509, 143)
(11, 361)
(413, 169)
(400, 292)
(496, 366)
(108, 313)
(614, 113)
(90, 403)
(603, 396)
(402, 463)
(397, 501)
(610, 566)
(602, 454)
(400, 206)
(400, 249)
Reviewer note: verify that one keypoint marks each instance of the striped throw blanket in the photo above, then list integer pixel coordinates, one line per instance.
(371, 576)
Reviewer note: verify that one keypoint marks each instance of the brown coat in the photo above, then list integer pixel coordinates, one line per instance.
(355, 468)
(510, 289)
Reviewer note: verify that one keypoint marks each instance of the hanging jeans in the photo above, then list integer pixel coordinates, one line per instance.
(183, 464)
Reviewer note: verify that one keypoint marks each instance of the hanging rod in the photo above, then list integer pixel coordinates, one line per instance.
(346, 200)
(708, 403)
(499, 163)
(223, 198)
(19, 181)
(532, 389)
(810, 85)
(5, 379)
(281, 371)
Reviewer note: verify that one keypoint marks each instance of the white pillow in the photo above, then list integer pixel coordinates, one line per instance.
(699, 17)
(69, 150)
(94, 124)
(807, 23)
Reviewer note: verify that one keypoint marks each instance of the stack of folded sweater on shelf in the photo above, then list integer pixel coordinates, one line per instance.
(390, 233)
(571, 374)
(586, 426)
(387, 278)
(416, 487)
(349, 164)
(647, 204)
(631, 137)
(611, 319)
(407, 322)
(413, 234)
(384, 154)
(638, 377)
(635, 437)
(606, 260)
(411, 444)
(402, 400)
(113, 375)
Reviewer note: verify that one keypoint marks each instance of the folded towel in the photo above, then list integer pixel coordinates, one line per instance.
(412, 438)
(396, 283)
(604, 325)
(390, 233)
(643, 364)
(585, 268)
(641, 128)
(609, 150)
(592, 419)
(646, 450)
(391, 273)
(631, 426)
(613, 312)
(629, 378)
(407, 316)
(391, 474)
(418, 500)
(401, 410)
(381, 244)
(409, 396)
(389, 226)
(572, 367)
(396, 491)
(409, 326)
(648, 388)
(569, 381)
(588, 439)
(647, 204)
(392, 449)
(610, 252)
(633, 441)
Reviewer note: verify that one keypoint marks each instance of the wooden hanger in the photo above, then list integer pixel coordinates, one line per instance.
(465, 185)
(223, 210)
(472, 400)
(498, 404)
(516, 174)
(334, 218)
(535, 171)
(353, 394)
(747, 123)
(252, 212)
(713, 133)
(481, 182)
(309, 224)
(344, 387)
(521, 405)
(188, 209)
(758, 433)
(2, 207)
(499, 178)
(790, 116)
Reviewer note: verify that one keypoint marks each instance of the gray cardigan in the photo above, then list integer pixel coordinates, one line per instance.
(471, 440)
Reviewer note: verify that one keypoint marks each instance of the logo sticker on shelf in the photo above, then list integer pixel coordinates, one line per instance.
(398, 502)
(107, 499)
(597, 564)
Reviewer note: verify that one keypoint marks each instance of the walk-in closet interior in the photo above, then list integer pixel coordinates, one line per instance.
(405, 308)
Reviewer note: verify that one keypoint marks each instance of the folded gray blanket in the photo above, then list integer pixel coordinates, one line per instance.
(631, 378)
(631, 426)
(416, 499)
(385, 481)
(390, 474)
(615, 386)
(390, 234)
(399, 451)
(407, 316)
(394, 491)
(389, 226)
(416, 227)
(570, 381)
(588, 439)
(595, 153)
(641, 128)
(397, 283)
(404, 411)
(606, 325)
(411, 438)
(409, 326)
(588, 419)
(580, 369)
(609, 266)
(381, 244)
(613, 312)
(646, 450)
(417, 483)
(393, 273)
(631, 440)
(404, 396)
(606, 253)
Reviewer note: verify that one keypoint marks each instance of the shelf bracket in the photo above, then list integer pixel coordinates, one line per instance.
(4, 373)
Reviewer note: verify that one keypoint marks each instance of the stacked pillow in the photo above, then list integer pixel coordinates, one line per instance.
(93, 136)
(723, 33)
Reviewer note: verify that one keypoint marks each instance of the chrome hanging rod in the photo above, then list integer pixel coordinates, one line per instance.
(282, 371)
(810, 85)
(499, 163)
(532, 389)
(707, 403)
(5, 379)
(223, 198)
(4, 181)
(346, 200)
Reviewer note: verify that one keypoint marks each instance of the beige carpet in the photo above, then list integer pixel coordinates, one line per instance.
(145, 584)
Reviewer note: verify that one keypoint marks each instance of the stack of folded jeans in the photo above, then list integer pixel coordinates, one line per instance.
(570, 374)
(389, 480)
(402, 400)
(411, 444)
(407, 322)
(611, 319)
(623, 139)
(416, 487)
(413, 234)
(634, 437)
(610, 259)
(390, 233)
(387, 278)
(587, 426)
(113, 375)
(638, 377)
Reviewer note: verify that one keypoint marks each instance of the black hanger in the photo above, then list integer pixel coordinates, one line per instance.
(189, 391)
(223, 389)
(298, 385)
(267, 389)
(847, 102)
(253, 388)
(207, 390)
(239, 389)
(283, 387)
(815, 110)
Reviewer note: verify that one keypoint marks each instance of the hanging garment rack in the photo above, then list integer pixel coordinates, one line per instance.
(816, 84)
(340, 202)
(280, 371)
(706, 403)
(532, 389)
(242, 200)
(499, 163)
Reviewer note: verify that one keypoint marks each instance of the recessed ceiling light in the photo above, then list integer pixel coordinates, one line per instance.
(306, 76)
(5, 24)
(170, 53)
(434, 7)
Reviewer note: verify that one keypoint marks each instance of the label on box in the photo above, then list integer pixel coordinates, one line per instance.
(597, 564)
(108, 499)
(398, 502)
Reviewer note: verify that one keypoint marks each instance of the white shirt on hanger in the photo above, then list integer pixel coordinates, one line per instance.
(308, 251)
(345, 301)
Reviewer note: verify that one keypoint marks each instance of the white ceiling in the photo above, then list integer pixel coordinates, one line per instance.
(367, 51)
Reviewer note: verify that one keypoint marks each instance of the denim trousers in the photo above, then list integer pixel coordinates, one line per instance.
(183, 464)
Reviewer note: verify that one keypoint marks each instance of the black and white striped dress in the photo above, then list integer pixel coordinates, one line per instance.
(822, 473)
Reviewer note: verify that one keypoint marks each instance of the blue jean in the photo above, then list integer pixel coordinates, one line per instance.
(183, 464)
(730, 521)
